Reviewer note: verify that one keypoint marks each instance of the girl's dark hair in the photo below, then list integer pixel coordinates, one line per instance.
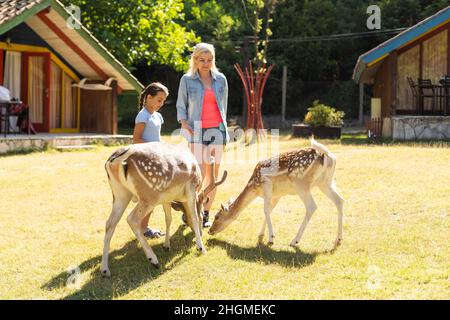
(152, 89)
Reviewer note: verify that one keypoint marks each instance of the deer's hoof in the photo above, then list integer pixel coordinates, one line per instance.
(270, 243)
(154, 263)
(167, 247)
(201, 250)
(337, 242)
(293, 243)
(106, 273)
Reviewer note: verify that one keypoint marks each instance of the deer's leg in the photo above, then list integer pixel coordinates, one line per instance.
(310, 206)
(272, 206)
(267, 188)
(192, 217)
(189, 220)
(121, 201)
(134, 219)
(331, 192)
(144, 223)
(168, 216)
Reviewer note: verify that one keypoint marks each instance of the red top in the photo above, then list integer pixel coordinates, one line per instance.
(210, 111)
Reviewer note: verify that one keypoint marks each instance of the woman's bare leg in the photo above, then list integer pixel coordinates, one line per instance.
(198, 150)
(216, 151)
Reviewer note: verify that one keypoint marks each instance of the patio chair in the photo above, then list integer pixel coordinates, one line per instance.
(426, 92)
(415, 94)
(445, 81)
(4, 118)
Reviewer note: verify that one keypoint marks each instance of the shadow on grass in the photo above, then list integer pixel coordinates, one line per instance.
(24, 151)
(265, 254)
(129, 268)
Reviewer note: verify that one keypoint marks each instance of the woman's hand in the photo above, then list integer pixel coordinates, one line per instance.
(185, 126)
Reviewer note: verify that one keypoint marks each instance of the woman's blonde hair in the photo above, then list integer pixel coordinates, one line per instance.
(198, 50)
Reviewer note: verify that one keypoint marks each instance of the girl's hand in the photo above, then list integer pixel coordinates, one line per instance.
(186, 127)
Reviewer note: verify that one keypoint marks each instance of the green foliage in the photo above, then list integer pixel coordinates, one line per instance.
(127, 110)
(222, 23)
(322, 115)
(216, 22)
(405, 13)
(136, 30)
(260, 24)
(143, 33)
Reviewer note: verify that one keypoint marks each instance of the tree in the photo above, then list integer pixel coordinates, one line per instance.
(139, 30)
(254, 77)
(221, 23)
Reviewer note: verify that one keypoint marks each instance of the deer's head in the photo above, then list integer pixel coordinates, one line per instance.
(202, 196)
(222, 219)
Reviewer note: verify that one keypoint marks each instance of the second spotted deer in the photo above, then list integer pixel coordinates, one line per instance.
(293, 172)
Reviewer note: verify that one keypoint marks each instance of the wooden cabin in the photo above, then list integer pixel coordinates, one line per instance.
(69, 80)
(419, 52)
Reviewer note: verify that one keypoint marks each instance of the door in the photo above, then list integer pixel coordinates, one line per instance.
(36, 82)
(63, 101)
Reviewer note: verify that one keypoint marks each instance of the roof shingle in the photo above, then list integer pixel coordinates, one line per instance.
(12, 8)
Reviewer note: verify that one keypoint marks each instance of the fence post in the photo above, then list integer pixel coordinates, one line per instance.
(283, 95)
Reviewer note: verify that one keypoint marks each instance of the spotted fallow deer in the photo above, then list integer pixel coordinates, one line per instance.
(151, 174)
(293, 172)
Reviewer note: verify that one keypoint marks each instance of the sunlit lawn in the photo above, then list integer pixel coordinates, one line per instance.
(396, 233)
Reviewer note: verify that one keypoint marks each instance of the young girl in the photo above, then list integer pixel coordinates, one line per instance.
(148, 129)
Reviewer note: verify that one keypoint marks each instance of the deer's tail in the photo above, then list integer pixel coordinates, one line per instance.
(329, 159)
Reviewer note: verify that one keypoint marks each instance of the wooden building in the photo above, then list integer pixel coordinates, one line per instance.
(421, 51)
(52, 63)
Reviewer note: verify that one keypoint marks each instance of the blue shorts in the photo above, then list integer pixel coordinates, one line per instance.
(210, 136)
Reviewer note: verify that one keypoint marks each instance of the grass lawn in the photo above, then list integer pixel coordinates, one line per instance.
(396, 233)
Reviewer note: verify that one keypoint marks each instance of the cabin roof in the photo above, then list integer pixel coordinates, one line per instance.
(368, 62)
(48, 18)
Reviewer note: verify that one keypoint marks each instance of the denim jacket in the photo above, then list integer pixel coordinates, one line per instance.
(190, 99)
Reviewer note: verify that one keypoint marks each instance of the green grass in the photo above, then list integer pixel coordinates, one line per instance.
(396, 233)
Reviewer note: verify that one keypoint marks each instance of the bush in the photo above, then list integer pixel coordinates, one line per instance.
(322, 115)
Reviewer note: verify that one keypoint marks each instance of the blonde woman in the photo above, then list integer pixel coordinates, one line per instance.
(202, 112)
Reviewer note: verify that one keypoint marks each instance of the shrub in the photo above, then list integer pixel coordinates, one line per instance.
(322, 115)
